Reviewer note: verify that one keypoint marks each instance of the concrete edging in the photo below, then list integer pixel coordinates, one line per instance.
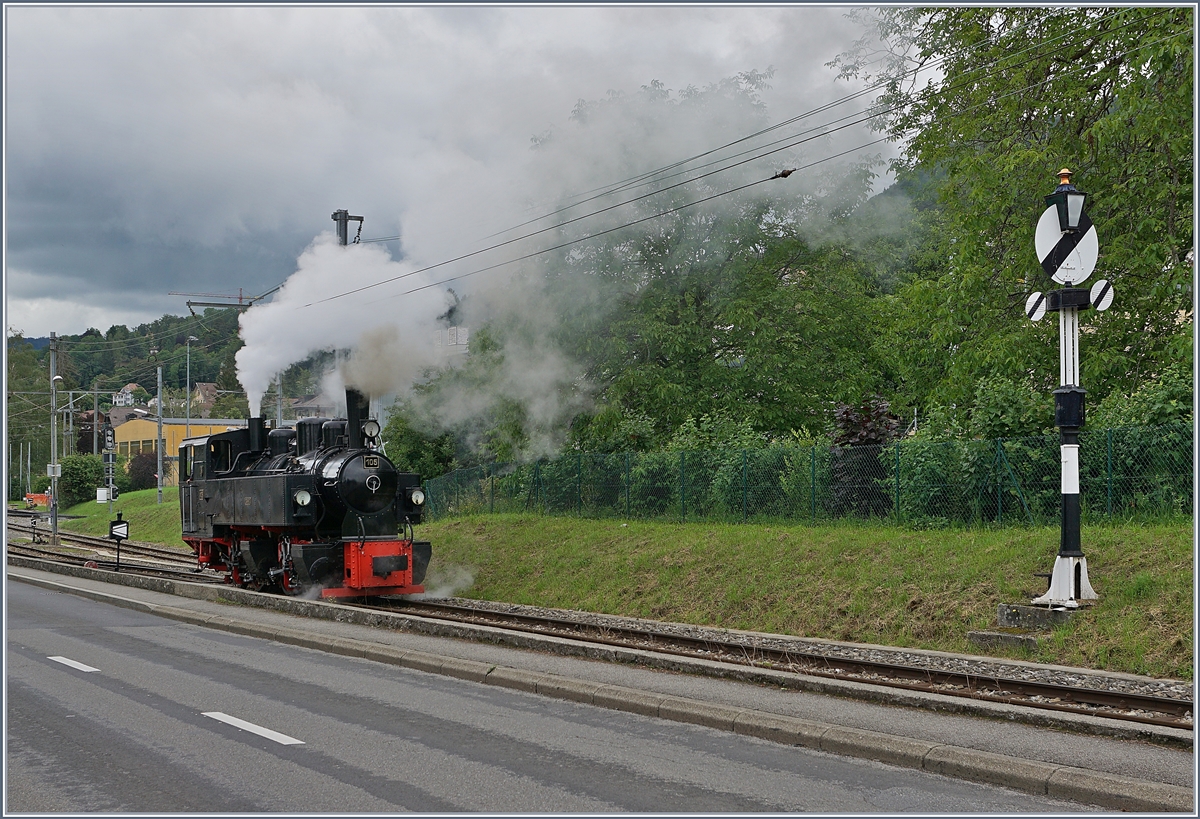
(1042, 778)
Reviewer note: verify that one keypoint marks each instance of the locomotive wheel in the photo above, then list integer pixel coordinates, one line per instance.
(289, 585)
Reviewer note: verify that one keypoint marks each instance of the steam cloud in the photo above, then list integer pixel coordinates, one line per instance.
(391, 331)
(449, 581)
(394, 336)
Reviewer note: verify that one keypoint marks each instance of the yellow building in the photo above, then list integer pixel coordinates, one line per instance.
(140, 435)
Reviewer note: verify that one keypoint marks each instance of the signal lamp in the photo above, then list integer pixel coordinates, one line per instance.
(1069, 201)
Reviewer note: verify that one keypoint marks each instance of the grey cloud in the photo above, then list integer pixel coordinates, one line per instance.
(202, 148)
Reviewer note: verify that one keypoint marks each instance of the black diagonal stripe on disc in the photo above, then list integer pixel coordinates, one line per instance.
(1065, 245)
(1103, 292)
(1033, 310)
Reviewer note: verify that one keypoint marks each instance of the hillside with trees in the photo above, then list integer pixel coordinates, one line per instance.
(759, 317)
(772, 313)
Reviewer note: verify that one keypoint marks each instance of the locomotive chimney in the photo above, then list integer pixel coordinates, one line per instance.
(357, 408)
(258, 434)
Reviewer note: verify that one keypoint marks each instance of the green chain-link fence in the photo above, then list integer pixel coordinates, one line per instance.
(1128, 471)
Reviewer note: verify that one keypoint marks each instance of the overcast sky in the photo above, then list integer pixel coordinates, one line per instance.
(202, 149)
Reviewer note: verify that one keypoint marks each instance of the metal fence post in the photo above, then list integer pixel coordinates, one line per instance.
(1108, 507)
(812, 451)
(578, 483)
(897, 480)
(999, 485)
(683, 487)
(627, 482)
(744, 499)
(492, 493)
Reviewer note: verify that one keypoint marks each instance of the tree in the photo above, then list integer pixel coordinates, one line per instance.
(81, 476)
(143, 469)
(28, 386)
(411, 450)
(231, 400)
(774, 336)
(749, 307)
(1023, 92)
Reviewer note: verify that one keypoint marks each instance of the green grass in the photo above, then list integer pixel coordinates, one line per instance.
(866, 583)
(148, 520)
(873, 584)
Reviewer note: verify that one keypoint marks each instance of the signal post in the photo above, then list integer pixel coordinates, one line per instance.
(1068, 248)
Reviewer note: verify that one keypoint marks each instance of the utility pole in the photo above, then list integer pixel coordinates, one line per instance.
(188, 427)
(95, 418)
(343, 218)
(159, 443)
(69, 422)
(54, 379)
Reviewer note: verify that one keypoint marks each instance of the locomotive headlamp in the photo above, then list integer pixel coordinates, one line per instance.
(302, 497)
(418, 497)
(370, 428)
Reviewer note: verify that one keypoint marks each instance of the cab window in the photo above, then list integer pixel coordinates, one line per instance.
(219, 455)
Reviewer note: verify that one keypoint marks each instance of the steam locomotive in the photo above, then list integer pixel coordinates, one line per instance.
(315, 509)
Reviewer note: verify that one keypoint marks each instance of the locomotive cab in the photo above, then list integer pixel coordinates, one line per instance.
(317, 506)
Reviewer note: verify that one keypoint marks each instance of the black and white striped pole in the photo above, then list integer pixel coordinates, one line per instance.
(1068, 249)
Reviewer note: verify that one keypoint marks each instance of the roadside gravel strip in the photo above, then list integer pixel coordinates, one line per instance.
(1104, 789)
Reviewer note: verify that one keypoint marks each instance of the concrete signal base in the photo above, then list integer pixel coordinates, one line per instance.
(1021, 626)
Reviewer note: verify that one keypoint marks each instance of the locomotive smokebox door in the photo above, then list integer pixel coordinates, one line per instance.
(368, 483)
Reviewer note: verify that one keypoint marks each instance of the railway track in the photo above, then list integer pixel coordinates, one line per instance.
(979, 679)
(106, 545)
(1169, 703)
(98, 561)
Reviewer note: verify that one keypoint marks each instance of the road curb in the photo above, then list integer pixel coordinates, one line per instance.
(1058, 781)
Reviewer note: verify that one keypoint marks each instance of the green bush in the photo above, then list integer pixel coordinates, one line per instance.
(81, 475)
(1142, 472)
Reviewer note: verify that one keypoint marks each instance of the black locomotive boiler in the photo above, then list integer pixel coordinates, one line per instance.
(317, 507)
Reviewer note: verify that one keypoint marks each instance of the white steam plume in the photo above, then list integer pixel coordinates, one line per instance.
(286, 330)
(446, 582)
(457, 207)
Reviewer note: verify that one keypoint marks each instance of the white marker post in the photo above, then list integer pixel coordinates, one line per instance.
(1068, 248)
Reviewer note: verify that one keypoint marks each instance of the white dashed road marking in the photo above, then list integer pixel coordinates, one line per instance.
(72, 664)
(282, 739)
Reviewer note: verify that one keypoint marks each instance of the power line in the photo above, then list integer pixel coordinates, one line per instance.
(696, 202)
(780, 175)
(954, 86)
(650, 175)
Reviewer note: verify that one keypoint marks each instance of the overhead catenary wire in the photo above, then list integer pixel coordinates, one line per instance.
(590, 236)
(472, 254)
(649, 176)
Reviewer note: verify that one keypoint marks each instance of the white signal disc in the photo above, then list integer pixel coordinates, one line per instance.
(1080, 262)
(1102, 295)
(1035, 306)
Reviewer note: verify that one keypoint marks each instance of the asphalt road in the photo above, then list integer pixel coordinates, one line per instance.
(149, 730)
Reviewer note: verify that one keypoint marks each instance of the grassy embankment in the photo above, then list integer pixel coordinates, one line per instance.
(867, 583)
